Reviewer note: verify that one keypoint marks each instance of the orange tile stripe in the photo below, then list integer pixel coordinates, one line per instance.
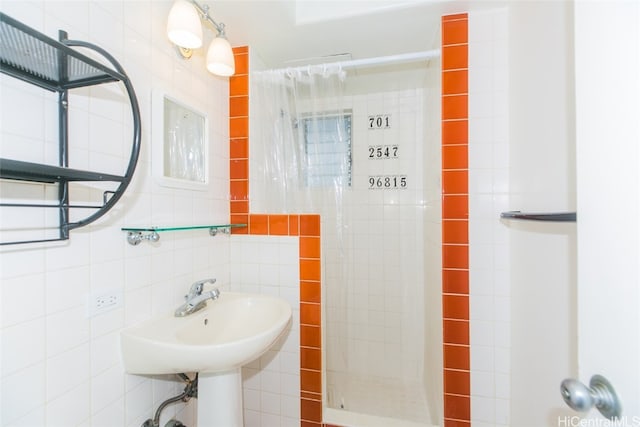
(455, 225)
(306, 227)
(239, 141)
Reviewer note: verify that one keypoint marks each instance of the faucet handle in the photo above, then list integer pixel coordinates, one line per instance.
(196, 288)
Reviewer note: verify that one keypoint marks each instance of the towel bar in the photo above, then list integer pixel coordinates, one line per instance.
(550, 217)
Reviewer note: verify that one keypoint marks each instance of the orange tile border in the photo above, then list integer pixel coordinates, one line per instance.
(455, 225)
(310, 247)
(455, 306)
(455, 81)
(454, 17)
(239, 169)
(455, 57)
(238, 106)
(310, 225)
(239, 85)
(294, 225)
(311, 380)
(310, 291)
(238, 50)
(258, 224)
(456, 357)
(455, 107)
(311, 358)
(455, 281)
(310, 395)
(455, 332)
(239, 127)
(239, 206)
(455, 257)
(455, 231)
(242, 62)
(310, 314)
(455, 157)
(310, 336)
(457, 407)
(455, 182)
(310, 269)
(457, 382)
(278, 225)
(239, 148)
(454, 32)
(311, 410)
(455, 132)
(239, 189)
(455, 206)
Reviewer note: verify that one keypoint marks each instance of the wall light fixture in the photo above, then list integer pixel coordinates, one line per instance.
(185, 31)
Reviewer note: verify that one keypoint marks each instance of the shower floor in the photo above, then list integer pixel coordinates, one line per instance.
(378, 396)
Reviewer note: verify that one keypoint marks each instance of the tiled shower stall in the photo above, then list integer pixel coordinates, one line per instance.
(475, 189)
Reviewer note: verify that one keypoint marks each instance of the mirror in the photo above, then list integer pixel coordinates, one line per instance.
(180, 143)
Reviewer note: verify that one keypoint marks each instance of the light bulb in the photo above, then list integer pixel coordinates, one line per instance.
(220, 59)
(183, 25)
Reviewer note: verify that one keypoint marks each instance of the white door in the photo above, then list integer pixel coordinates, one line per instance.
(607, 39)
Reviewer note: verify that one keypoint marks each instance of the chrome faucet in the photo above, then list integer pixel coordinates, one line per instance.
(196, 299)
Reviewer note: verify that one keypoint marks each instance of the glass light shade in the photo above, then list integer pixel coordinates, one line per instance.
(220, 60)
(183, 25)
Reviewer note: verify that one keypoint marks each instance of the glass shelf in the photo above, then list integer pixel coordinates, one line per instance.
(137, 234)
(183, 228)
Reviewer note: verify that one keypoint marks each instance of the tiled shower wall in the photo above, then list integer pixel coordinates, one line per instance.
(475, 184)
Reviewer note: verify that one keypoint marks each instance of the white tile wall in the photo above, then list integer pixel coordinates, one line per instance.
(489, 293)
(58, 367)
(384, 294)
(271, 384)
(385, 239)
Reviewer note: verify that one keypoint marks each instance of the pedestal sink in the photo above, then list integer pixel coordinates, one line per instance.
(216, 342)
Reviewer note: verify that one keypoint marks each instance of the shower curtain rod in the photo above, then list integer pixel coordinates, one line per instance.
(376, 61)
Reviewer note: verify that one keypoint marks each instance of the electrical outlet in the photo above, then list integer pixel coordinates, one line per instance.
(103, 300)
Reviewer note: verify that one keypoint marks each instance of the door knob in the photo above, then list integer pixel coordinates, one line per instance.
(600, 394)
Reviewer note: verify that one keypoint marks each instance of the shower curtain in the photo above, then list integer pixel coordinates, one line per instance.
(305, 158)
(305, 167)
(296, 107)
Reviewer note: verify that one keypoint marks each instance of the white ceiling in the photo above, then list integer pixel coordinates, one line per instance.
(295, 32)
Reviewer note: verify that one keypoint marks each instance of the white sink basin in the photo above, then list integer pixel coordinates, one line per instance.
(230, 332)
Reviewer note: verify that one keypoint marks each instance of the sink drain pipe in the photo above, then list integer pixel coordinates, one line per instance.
(190, 390)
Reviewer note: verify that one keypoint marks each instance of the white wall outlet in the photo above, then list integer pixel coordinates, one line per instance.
(103, 300)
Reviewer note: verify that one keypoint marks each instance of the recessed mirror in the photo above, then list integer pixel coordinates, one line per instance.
(180, 143)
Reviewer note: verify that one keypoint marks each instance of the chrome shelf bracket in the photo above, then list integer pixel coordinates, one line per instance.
(213, 231)
(135, 237)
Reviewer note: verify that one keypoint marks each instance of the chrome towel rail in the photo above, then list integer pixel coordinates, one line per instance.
(550, 217)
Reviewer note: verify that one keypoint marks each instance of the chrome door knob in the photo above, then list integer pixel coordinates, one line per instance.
(600, 394)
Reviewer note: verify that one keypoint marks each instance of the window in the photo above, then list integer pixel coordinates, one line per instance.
(327, 141)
